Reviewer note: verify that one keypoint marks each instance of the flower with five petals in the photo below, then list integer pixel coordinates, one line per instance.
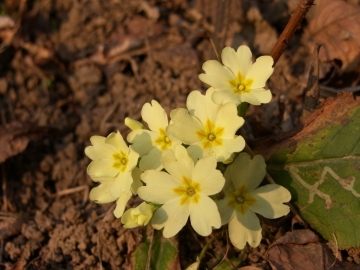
(243, 199)
(208, 128)
(112, 158)
(151, 143)
(238, 80)
(184, 191)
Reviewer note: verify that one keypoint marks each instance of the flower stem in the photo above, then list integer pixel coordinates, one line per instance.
(205, 248)
(242, 108)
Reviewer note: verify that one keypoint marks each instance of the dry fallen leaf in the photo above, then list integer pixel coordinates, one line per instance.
(337, 27)
(301, 249)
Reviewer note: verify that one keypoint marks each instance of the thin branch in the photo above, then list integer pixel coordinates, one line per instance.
(293, 24)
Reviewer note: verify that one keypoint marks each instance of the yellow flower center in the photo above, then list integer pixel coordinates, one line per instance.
(189, 191)
(210, 135)
(120, 161)
(163, 140)
(240, 199)
(240, 84)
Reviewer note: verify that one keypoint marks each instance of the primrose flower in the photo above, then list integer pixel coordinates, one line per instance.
(151, 143)
(239, 80)
(242, 200)
(101, 193)
(112, 158)
(184, 191)
(208, 128)
(139, 216)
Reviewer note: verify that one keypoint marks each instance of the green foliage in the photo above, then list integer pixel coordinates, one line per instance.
(321, 169)
(163, 254)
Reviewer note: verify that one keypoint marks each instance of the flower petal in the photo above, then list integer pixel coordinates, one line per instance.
(204, 215)
(225, 211)
(101, 193)
(257, 96)
(151, 161)
(133, 124)
(184, 127)
(239, 61)
(133, 159)
(135, 174)
(159, 187)
(227, 117)
(121, 203)
(177, 216)
(202, 106)
(122, 183)
(245, 228)
(270, 201)
(225, 96)
(224, 151)
(117, 142)
(142, 140)
(97, 140)
(244, 58)
(216, 75)
(211, 180)
(247, 171)
(102, 168)
(178, 163)
(196, 151)
(260, 71)
(99, 151)
(155, 116)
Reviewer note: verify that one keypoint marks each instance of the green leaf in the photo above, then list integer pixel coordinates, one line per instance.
(164, 253)
(320, 166)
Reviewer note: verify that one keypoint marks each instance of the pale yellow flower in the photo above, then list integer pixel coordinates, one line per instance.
(239, 80)
(243, 199)
(184, 191)
(139, 216)
(112, 158)
(208, 128)
(101, 193)
(151, 143)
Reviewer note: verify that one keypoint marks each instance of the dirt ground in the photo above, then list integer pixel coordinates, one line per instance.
(73, 69)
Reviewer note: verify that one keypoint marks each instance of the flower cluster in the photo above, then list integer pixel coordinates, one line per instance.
(172, 165)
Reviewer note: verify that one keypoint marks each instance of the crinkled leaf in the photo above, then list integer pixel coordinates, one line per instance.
(337, 26)
(320, 166)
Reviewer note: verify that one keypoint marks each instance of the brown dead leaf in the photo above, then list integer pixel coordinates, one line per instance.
(301, 249)
(337, 27)
(15, 137)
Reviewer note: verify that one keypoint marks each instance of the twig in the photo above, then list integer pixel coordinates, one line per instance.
(293, 24)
